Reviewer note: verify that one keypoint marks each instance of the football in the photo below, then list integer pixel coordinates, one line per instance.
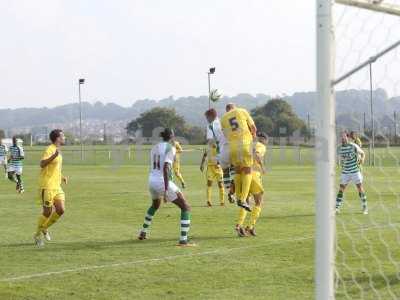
(215, 95)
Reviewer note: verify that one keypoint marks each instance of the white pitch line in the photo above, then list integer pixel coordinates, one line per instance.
(135, 262)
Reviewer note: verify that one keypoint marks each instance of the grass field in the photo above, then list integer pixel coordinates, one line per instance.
(94, 253)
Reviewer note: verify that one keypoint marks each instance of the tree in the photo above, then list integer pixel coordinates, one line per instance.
(277, 118)
(157, 117)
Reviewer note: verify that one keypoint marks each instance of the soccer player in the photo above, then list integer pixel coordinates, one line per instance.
(177, 162)
(51, 196)
(351, 156)
(161, 187)
(255, 189)
(3, 156)
(240, 130)
(213, 173)
(16, 156)
(216, 136)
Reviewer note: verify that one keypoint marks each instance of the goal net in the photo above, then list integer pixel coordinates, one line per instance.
(359, 92)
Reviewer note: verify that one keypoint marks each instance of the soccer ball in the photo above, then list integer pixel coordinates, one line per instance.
(215, 95)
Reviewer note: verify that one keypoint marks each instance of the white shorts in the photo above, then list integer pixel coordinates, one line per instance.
(356, 178)
(156, 188)
(16, 170)
(224, 156)
(3, 161)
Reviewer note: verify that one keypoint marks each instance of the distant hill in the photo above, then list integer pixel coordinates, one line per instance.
(350, 105)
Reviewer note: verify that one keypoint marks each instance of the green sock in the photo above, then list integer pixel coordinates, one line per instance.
(339, 199)
(148, 218)
(363, 198)
(185, 225)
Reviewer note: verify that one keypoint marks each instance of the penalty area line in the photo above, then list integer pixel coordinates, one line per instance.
(150, 260)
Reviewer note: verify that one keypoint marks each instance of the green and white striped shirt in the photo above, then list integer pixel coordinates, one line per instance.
(348, 154)
(3, 150)
(16, 156)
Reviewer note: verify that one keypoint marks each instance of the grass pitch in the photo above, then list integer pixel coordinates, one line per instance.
(95, 255)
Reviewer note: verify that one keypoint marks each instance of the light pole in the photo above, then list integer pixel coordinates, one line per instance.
(81, 81)
(210, 72)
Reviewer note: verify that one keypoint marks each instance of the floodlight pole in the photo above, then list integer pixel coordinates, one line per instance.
(81, 81)
(325, 155)
(209, 73)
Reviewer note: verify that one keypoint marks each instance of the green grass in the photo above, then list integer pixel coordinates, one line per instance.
(105, 209)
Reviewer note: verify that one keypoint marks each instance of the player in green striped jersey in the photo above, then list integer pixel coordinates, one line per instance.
(3, 156)
(351, 157)
(16, 156)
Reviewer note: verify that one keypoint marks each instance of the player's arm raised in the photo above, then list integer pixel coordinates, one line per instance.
(251, 124)
(361, 153)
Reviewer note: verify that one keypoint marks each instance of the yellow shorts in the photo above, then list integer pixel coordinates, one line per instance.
(214, 173)
(241, 154)
(256, 186)
(47, 197)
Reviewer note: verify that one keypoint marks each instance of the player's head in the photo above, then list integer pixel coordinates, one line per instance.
(14, 140)
(353, 135)
(211, 115)
(57, 137)
(262, 137)
(167, 134)
(230, 106)
(345, 137)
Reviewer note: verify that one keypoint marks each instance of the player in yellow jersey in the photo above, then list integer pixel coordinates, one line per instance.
(240, 131)
(213, 173)
(50, 194)
(176, 166)
(356, 140)
(256, 189)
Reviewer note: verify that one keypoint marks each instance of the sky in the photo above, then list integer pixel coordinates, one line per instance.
(153, 49)
(137, 49)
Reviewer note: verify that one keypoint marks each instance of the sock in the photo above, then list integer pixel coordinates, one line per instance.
(221, 194)
(339, 199)
(51, 220)
(148, 218)
(19, 180)
(185, 225)
(363, 198)
(209, 193)
(242, 216)
(255, 214)
(227, 178)
(246, 183)
(40, 225)
(238, 185)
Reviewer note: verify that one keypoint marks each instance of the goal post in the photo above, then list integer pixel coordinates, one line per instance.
(356, 254)
(325, 155)
(375, 5)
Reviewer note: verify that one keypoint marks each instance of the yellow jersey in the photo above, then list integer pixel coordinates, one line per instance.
(178, 148)
(236, 126)
(212, 156)
(259, 151)
(50, 176)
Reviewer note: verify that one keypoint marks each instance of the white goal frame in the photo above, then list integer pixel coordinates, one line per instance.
(326, 139)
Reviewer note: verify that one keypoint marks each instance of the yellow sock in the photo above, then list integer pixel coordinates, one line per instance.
(53, 218)
(209, 193)
(242, 216)
(246, 183)
(221, 194)
(255, 214)
(41, 221)
(238, 184)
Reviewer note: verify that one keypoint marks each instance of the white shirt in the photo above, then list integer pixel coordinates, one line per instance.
(214, 132)
(160, 154)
